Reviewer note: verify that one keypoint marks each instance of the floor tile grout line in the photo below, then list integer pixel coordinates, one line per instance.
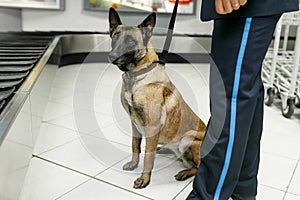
(67, 128)
(57, 125)
(91, 132)
(111, 166)
(33, 138)
(59, 100)
(182, 190)
(56, 117)
(294, 171)
(127, 190)
(75, 130)
(108, 140)
(18, 143)
(53, 148)
(78, 138)
(272, 187)
(298, 195)
(69, 191)
(60, 126)
(281, 156)
(93, 177)
(79, 135)
(23, 167)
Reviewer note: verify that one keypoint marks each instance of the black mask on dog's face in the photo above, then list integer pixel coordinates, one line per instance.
(129, 43)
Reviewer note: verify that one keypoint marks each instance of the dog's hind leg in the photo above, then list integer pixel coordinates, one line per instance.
(136, 150)
(185, 174)
(164, 150)
(193, 155)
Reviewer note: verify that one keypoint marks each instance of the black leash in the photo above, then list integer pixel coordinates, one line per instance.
(165, 52)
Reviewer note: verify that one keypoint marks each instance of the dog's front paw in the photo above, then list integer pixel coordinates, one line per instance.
(142, 182)
(183, 175)
(130, 166)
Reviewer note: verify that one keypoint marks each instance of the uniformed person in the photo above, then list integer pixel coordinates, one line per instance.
(231, 148)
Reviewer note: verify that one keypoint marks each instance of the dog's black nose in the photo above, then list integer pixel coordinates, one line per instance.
(112, 57)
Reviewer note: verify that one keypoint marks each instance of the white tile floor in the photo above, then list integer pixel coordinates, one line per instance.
(85, 139)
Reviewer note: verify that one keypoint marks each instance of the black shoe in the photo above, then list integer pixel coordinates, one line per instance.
(238, 197)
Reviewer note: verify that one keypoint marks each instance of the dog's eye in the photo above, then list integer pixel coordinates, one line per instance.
(116, 36)
(130, 41)
(114, 39)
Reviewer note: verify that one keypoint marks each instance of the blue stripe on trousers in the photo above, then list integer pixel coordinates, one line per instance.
(236, 84)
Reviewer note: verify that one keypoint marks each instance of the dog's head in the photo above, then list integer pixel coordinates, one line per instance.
(129, 43)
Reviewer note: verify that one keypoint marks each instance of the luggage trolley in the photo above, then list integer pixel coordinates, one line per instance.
(280, 71)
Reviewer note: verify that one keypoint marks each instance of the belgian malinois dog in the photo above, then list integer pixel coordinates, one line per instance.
(156, 108)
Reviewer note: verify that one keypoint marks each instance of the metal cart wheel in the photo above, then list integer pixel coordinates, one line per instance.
(288, 109)
(297, 103)
(269, 96)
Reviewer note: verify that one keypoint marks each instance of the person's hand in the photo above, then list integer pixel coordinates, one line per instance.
(227, 6)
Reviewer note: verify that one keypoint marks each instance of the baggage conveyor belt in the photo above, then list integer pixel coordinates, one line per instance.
(23, 56)
(19, 54)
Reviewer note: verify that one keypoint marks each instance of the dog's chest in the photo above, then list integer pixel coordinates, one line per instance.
(133, 83)
(128, 88)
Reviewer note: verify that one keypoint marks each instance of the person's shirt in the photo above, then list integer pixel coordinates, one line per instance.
(253, 8)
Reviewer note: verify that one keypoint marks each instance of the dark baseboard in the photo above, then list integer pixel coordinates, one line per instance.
(94, 57)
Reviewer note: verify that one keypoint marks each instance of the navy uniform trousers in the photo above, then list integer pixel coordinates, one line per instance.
(231, 149)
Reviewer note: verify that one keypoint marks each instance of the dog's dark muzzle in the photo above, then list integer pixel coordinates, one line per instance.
(121, 60)
(113, 57)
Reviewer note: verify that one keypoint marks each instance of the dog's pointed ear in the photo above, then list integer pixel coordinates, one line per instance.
(114, 20)
(149, 22)
(147, 26)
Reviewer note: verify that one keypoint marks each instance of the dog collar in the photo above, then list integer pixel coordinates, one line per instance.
(142, 71)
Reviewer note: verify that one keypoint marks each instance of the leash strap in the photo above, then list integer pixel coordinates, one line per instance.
(167, 44)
